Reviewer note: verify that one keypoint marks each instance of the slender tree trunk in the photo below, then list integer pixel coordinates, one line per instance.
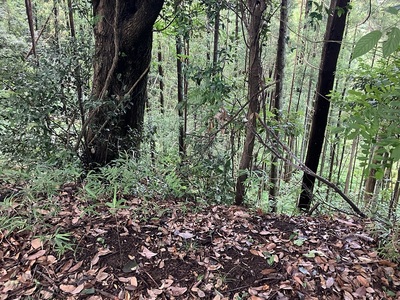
(256, 9)
(180, 84)
(279, 76)
(288, 168)
(370, 181)
(79, 85)
(347, 186)
(216, 38)
(56, 25)
(330, 53)
(28, 6)
(123, 41)
(394, 201)
(161, 76)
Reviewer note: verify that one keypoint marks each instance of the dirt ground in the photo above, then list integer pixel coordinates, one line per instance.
(179, 250)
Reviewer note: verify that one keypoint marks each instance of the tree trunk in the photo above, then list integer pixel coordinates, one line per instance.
(347, 186)
(330, 52)
(180, 84)
(123, 41)
(256, 9)
(279, 74)
(216, 38)
(394, 201)
(161, 76)
(28, 6)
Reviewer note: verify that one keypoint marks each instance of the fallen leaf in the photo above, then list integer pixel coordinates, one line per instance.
(166, 283)
(363, 281)
(76, 267)
(30, 291)
(176, 291)
(68, 288)
(267, 271)
(101, 275)
(186, 235)
(36, 255)
(360, 292)
(329, 282)
(147, 253)
(36, 243)
(78, 289)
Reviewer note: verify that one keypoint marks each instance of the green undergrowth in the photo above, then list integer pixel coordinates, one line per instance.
(33, 195)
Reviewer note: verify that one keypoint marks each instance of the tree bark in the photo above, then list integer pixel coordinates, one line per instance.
(123, 41)
(279, 74)
(256, 9)
(181, 98)
(161, 74)
(330, 53)
(28, 6)
(394, 201)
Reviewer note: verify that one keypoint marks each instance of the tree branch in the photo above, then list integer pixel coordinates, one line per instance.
(301, 166)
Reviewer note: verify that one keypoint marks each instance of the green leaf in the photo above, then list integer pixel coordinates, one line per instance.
(299, 242)
(366, 43)
(393, 9)
(379, 174)
(392, 43)
(396, 153)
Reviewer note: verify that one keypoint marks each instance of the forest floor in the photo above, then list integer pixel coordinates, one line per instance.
(180, 250)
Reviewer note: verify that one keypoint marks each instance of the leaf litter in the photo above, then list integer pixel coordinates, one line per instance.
(175, 251)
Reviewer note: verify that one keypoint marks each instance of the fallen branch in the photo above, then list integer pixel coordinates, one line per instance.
(300, 165)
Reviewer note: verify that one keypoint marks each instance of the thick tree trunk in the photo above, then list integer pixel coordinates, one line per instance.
(256, 9)
(330, 52)
(123, 42)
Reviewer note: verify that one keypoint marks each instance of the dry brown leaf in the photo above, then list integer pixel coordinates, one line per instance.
(185, 235)
(68, 288)
(78, 289)
(36, 255)
(76, 267)
(255, 298)
(298, 280)
(330, 282)
(176, 290)
(147, 253)
(201, 294)
(133, 281)
(267, 271)
(36, 243)
(66, 266)
(360, 292)
(46, 294)
(363, 281)
(154, 293)
(166, 283)
(101, 275)
(30, 291)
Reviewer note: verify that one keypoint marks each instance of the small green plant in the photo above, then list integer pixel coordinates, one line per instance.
(116, 204)
(10, 224)
(61, 242)
(388, 235)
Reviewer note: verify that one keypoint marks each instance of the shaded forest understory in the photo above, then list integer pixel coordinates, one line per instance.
(183, 250)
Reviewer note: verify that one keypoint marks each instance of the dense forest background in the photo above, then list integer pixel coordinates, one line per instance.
(201, 139)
